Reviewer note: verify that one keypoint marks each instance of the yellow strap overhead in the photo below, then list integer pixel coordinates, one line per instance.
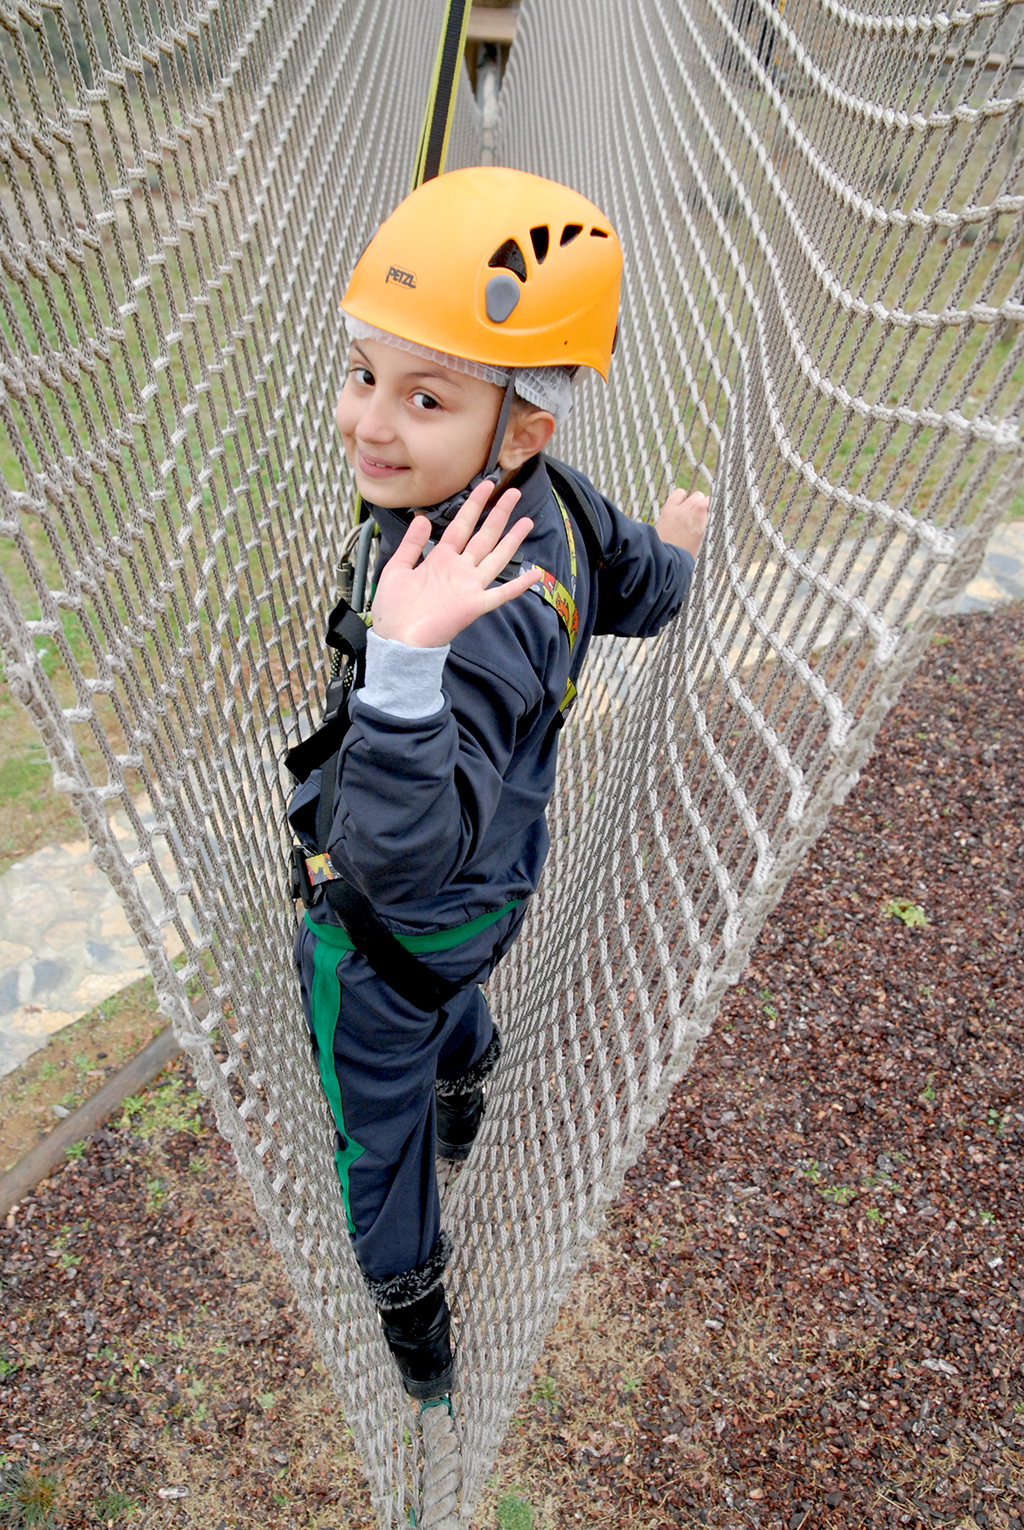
(437, 120)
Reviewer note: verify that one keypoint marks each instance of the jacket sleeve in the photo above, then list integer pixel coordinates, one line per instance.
(417, 795)
(644, 581)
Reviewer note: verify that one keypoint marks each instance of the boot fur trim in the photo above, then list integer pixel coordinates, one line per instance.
(452, 1089)
(411, 1285)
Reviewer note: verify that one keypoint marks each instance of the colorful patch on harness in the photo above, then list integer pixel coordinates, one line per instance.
(557, 596)
(320, 870)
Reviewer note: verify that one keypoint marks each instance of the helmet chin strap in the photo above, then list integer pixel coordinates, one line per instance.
(441, 514)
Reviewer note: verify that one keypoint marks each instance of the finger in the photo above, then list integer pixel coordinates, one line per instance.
(503, 593)
(491, 565)
(460, 528)
(486, 537)
(409, 550)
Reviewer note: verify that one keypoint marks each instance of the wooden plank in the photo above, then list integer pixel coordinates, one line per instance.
(491, 26)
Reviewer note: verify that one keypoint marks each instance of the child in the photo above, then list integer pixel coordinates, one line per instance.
(468, 314)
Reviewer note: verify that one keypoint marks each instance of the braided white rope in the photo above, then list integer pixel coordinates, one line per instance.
(441, 1469)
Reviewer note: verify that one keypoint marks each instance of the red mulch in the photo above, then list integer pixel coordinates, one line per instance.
(831, 1208)
(854, 1127)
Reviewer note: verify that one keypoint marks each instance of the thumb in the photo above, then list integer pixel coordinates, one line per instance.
(409, 549)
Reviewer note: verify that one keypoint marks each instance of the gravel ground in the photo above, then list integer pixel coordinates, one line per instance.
(806, 1308)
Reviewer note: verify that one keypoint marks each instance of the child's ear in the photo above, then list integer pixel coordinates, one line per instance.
(527, 433)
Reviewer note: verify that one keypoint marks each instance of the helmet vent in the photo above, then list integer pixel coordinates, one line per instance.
(510, 257)
(570, 232)
(541, 237)
(598, 233)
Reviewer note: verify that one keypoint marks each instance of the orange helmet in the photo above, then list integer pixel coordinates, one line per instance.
(498, 267)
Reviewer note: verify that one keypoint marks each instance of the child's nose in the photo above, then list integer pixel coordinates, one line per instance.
(376, 421)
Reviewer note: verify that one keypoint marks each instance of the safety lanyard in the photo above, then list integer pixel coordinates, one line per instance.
(444, 84)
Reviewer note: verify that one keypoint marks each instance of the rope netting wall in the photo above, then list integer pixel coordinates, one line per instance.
(823, 318)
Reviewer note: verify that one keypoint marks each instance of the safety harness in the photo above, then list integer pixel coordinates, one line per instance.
(313, 877)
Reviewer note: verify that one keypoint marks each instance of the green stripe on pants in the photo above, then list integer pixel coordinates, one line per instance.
(325, 1007)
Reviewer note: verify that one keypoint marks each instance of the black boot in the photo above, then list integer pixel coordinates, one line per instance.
(458, 1122)
(418, 1337)
(459, 1103)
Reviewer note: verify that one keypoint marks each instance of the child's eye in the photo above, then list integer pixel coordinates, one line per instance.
(363, 375)
(425, 401)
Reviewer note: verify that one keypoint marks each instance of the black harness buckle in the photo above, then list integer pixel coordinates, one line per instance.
(298, 879)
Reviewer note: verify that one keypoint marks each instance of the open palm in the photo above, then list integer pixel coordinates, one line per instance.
(426, 602)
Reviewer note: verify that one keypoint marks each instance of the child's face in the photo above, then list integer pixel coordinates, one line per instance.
(414, 432)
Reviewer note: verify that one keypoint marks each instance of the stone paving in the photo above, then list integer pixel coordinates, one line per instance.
(66, 945)
(65, 941)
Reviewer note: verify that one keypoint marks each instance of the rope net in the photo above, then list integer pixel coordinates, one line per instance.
(823, 217)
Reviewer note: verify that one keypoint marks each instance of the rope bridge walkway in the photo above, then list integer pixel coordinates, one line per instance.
(822, 210)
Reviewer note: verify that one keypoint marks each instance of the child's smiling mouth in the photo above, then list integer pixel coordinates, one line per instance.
(373, 467)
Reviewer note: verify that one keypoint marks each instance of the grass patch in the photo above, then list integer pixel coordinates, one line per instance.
(73, 1065)
(114, 1507)
(31, 1498)
(514, 1513)
(170, 1108)
(32, 812)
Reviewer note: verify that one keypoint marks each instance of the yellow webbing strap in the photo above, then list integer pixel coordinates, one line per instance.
(437, 120)
(562, 600)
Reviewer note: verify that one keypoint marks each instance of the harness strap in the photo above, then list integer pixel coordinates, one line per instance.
(347, 633)
(325, 802)
(598, 556)
(553, 591)
(392, 963)
(366, 932)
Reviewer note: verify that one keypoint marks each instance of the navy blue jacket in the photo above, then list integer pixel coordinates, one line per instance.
(441, 819)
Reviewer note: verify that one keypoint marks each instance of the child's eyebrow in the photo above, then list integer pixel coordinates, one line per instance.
(431, 374)
(435, 376)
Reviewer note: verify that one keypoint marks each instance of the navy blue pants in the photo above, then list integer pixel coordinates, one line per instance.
(386, 1056)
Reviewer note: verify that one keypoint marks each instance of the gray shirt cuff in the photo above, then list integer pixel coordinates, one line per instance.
(400, 680)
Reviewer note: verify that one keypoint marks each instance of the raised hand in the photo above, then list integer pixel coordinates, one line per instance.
(427, 603)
